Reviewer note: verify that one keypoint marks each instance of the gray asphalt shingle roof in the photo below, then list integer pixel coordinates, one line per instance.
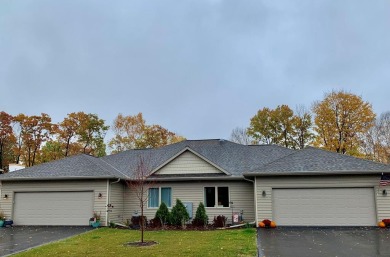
(234, 158)
(78, 166)
(313, 160)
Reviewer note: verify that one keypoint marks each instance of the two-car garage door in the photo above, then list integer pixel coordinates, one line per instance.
(53, 208)
(324, 207)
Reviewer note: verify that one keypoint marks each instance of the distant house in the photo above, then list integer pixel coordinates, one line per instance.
(292, 187)
(14, 166)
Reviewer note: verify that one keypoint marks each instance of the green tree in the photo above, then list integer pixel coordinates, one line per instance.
(201, 218)
(179, 214)
(163, 214)
(341, 120)
(51, 151)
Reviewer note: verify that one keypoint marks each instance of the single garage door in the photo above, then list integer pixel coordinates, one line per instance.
(53, 208)
(324, 207)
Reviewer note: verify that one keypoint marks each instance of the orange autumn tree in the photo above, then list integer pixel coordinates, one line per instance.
(7, 140)
(341, 120)
(81, 132)
(33, 132)
(132, 132)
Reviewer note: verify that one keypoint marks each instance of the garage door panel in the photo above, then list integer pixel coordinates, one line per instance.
(53, 208)
(324, 207)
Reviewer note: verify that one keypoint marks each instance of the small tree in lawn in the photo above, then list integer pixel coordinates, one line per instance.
(140, 184)
(179, 214)
(162, 214)
(201, 218)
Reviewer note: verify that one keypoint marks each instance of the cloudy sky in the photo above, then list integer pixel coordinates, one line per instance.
(199, 68)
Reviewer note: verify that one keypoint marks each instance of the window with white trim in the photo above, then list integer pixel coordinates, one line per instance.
(216, 196)
(159, 195)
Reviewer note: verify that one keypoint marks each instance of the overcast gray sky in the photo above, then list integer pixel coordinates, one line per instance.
(199, 68)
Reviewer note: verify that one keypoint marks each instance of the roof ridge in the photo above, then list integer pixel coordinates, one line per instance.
(345, 155)
(281, 158)
(114, 168)
(96, 163)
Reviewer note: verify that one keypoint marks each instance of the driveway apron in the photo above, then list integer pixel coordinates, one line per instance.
(16, 239)
(323, 241)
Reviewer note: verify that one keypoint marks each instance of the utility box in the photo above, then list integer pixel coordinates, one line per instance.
(189, 209)
(236, 217)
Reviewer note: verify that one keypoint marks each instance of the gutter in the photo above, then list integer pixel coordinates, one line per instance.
(314, 173)
(53, 178)
(195, 178)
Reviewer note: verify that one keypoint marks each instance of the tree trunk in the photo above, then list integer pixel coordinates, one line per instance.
(142, 224)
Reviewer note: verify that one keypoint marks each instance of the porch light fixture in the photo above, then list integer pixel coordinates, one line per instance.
(100, 195)
(384, 192)
(264, 194)
(5, 197)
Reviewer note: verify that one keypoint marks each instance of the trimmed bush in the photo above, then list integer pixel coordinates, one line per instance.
(155, 223)
(219, 221)
(201, 218)
(179, 214)
(162, 214)
(136, 221)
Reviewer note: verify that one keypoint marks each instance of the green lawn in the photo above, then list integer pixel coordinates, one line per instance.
(110, 242)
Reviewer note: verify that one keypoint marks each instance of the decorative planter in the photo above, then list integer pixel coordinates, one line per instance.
(96, 224)
(1, 223)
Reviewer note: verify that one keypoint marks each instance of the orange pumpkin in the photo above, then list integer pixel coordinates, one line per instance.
(273, 224)
(261, 224)
(381, 224)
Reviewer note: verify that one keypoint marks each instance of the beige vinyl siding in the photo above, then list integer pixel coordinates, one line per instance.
(115, 214)
(241, 193)
(188, 163)
(382, 203)
(267, 184)
(97, 186)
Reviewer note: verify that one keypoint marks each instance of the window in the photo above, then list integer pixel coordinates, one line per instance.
(216, 196)
(153, 197)
(166, 196)
(159, 195)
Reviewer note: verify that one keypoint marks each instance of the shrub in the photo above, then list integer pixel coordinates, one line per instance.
(162, 214)
(136, 221)
(201, 218)
(2, 215)
(387, 222)
(155, 223)
(97, 216)
(179, 214)
(219, 221)
(267, 222)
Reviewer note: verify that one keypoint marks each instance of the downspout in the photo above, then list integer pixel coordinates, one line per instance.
(108, 191)
(255, 196)
(109, 196)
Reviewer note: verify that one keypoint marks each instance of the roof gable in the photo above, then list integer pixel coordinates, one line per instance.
(187, 162)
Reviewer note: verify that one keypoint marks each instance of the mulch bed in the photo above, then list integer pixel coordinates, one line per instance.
(141, 244)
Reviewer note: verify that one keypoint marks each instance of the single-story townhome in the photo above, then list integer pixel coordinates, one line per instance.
(308, 187)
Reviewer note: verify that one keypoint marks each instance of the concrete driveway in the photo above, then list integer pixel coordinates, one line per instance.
(16, 239)
(327, 241)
